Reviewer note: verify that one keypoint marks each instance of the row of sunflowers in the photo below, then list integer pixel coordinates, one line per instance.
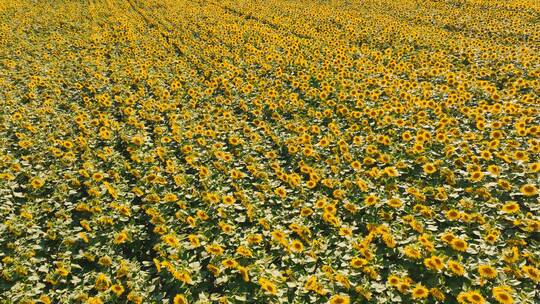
(247, 151)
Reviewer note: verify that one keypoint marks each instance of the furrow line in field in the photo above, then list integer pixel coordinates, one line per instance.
(263, 21)
(157, 23)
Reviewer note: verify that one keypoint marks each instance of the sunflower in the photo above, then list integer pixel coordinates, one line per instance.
(371, 200)
(358, 262)
(171, 240)
(474, 297)
(296, 246)
(62, 271)
(511, 255)
(395, 203)
(505, 184)
(202, 215)
(393, 280)
(280, 192)
(429, 168)
(45, 299)
(226, 228)
(356, 165)
(462, 298)
(118, 289)
(476, 176)
(419, 292)
(510, 207)
(234, 140)
(268, 286)
(459, 244)
(448, 237)
(311, 283)
(228, 200)
(346, 231)
(412, 252)
(37, 183)
(404, 284)
(254, 238)
(503, 297)
(487, 271)
(102, 282)
(214, 249)
(194, 240)
(229, 263)
(456, 268)
(97, 176)
(180, 299)
(213, 269)
(531, 272)
(339, 299)
(452, 214)
(120, 237)
(434, 263)
(529, 190)
(437, 294)
(94, 300)
(391, 171)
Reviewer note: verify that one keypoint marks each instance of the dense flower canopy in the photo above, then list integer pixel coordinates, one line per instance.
(280, 151)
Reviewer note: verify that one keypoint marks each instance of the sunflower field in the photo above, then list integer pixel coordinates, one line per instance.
(279, 151)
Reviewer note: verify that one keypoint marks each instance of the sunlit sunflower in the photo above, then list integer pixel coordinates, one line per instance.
(339, 299)
(529, 190)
